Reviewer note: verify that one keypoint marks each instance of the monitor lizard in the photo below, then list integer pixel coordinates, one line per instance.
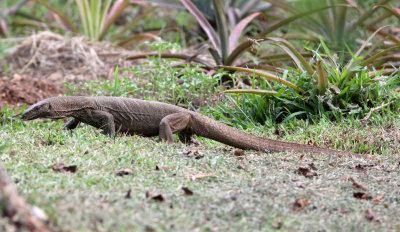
(151, 118)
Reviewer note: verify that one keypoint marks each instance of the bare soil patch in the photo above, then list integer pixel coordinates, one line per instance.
(19, 90)
(42, 63)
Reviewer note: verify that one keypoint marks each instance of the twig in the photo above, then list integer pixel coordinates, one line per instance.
(14, 207)
(375, 109)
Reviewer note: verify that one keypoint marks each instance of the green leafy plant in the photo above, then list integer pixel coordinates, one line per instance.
(97, 17)
(327, 88)
(225, 47)
(338, 25)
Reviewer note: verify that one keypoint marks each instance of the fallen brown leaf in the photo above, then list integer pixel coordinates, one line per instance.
(195, 154)
(361, 195)
(154, 196)
(370, 216)
(357, 184)
(277, 225)
(124, 172)
(128, 194)
(160, 167)
(187, 191)
(378, 199)
(60, 167)
(200, 176)
(306, 172)
(313, 166)
(243, 166)
(300, 203)
(362, 167)
(238, 152)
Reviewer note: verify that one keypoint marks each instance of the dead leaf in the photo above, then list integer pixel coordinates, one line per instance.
(345, 178)
(154, 196)
(187, 191)
(313, 166)
(60, 167)
(277, 225)
(243, 166)
(238, 152)
(357, 184)
(306, 172)
(128, 194)
(343, 210)
(124, 172)
(362, 167)
(361, 195)
(200, 176)
(378, 199)
(195, 154)
(160, 167)
(370, 216)
(149, 229)
(300, 203)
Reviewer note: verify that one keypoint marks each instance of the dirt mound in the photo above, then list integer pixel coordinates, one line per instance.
(58, 59)
(19, 90)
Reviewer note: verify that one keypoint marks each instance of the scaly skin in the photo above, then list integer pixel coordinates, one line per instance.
(148, 118)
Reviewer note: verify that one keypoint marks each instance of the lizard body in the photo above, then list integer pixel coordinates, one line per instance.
(149, 118)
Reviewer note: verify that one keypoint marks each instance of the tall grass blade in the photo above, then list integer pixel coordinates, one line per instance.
(247, 44)
(222, 28)
(264, 74)
(292, 51)
(322, 80)
(61, 15)
(252, 91)
(393, 10)
(130, 25)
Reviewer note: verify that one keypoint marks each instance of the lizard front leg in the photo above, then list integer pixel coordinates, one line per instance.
(102, 120)
(71, 124)
(172, 124)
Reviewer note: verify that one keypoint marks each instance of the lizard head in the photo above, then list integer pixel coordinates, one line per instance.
(41, 109)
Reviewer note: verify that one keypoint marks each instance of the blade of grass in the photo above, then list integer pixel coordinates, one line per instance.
(322, 80)
(132, 23)
(222, 28)
(252, 91)
(266, 75)
(172, 55)
(61, 15)
(294, 54)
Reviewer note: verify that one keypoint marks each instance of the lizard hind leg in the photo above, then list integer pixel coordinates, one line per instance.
(172, 124)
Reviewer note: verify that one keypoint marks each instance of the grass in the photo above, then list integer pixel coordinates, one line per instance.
(255, 199)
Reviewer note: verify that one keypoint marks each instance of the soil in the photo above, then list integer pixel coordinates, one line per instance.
(40, 65)
(17, 91)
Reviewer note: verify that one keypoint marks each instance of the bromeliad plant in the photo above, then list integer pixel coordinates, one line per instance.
(224, 42)
(340, 25)
(97, 17)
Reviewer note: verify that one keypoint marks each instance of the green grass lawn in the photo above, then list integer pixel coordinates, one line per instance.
(255, 192)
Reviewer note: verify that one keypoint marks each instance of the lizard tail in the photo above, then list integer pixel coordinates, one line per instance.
(220, 132)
